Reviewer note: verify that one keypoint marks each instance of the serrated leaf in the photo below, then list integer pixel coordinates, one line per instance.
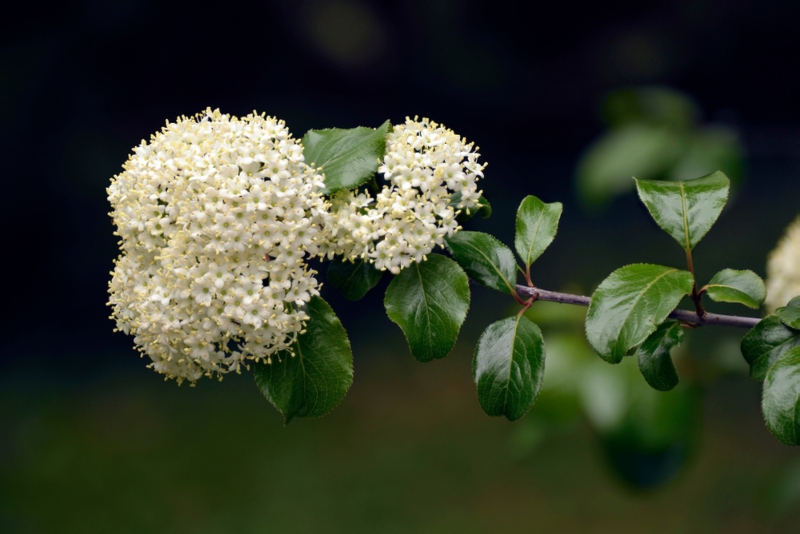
(685, 210)
(655, 361)
(347, 157)
(780, 402)
(313, 381)
(766, 342)
(508, 367)
(628, 306)
(790, 314)
(536, 227)
(738, 287)
(429, 302)
(353, 279)
(485, 259)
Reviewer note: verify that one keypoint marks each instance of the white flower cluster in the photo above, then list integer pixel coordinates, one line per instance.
(430, 174)
(783, 269)
(216, 217)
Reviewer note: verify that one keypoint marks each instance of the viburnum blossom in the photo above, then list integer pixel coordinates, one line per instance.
(430, 176)
(216, 217)
(783, 268)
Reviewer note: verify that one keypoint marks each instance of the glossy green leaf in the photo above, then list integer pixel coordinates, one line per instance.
(628, 306)
(485, 259)
(685, 210)
(780, 402)
(353, 279)
(766, 342)
(790, 314)
(739, 287)
(508, 367)
(314, 380)
(536, 225)
(638, 149)
(429, 301)
(655, 361)
(347, 157)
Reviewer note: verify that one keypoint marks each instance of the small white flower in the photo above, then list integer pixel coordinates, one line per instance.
(425, 166)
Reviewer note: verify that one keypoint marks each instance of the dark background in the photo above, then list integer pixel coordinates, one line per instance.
(87, 424)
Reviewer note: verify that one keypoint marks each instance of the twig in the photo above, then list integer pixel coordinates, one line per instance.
(681, 315)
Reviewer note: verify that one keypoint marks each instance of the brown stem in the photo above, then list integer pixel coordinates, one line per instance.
(685, 316)
(698, 306)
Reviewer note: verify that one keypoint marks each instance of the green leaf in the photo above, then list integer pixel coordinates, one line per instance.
(780, 402)
(655, 362)
(739, 287)
(536, 225)
(314, 380)
(485, 259)
(508, 367)
(353, 279)
(628, 306)
(484, 209)
(429, 301)
(685, 210)
(766, 342)
(790, 314)
(638, 149)
(348, 158)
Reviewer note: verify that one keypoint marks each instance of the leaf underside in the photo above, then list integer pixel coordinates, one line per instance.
(738, 287)
(655, 361)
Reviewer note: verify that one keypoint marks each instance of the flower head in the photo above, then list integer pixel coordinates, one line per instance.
(430, 175)
(783, 268)
(216, 216)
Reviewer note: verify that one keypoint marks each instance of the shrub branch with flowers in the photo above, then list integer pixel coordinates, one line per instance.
(219, 219)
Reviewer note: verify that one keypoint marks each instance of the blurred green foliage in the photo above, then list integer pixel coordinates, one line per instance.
(409, 450)
(654, 133)
(646, 435)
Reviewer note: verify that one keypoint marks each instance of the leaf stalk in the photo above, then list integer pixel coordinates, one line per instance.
(696, 295)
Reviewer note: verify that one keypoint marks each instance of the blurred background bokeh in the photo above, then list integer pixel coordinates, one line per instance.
(566, 101)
